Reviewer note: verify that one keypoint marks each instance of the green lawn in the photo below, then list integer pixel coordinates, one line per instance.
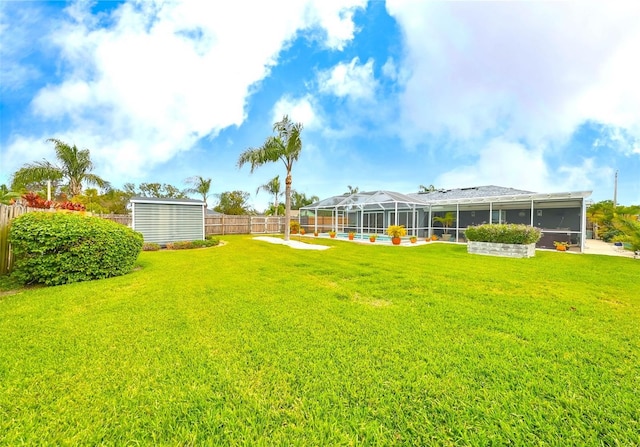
(258, 344)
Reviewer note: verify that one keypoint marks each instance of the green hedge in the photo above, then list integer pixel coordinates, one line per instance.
(503, 233)
(60, 248)
(185, 245)
(150, 246)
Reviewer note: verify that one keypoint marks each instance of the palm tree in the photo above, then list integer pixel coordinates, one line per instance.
(429, 188)
(75, 167)
(201, 186)
(6, 196)
(447, 220)
(272, 187)
(286, 147)
(629, 226)
(300, 199)
(352, 190)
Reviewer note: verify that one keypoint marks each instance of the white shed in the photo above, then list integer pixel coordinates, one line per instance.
(168, 220)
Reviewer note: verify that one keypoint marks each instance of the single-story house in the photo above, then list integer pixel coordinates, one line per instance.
(561, 216)
(168, 220)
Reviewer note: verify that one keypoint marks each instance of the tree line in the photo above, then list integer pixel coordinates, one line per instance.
(71, 179)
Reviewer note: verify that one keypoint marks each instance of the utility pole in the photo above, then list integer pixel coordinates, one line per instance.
(615, 191)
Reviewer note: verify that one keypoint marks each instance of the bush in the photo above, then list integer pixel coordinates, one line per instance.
(150, 246)
(209, 242)
(503, 233)
(184, 245)
(62, 247)
(294, 226)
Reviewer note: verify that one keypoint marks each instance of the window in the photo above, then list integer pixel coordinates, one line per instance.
(498, 216)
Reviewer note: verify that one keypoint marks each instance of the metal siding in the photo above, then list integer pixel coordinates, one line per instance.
(162, 223)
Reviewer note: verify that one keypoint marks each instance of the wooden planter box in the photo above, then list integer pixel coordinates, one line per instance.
(505, 250)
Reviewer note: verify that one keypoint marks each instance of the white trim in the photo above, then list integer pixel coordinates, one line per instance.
(166, 202)
(515, 198)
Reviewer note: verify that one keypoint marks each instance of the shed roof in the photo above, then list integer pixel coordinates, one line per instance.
(165, 200)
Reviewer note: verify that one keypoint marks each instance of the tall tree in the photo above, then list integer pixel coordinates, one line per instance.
(74, 166)
(91, 200)
(272, 211)
(300, 199)
(199, 185)
(286, 147)
(272, 187)
(116, 201)
(233, 203)
(352, 190)
(159, 190)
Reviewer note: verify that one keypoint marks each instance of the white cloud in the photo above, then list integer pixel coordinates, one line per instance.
(533, 70)
(349, 80)
(37, 149)
(299, 110)
(502, 163)
(505, 163)
(389, 69)
(588, 174)
(166, 74)
(618, 139)
(335, 18)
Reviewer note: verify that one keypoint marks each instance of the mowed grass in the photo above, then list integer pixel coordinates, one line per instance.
(258, 344)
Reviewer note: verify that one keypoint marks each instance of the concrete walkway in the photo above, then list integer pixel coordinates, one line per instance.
(596, 247)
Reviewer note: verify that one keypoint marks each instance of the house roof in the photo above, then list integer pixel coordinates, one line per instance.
(491, 193)
(477, 194)
(468, 193)
(366, 200)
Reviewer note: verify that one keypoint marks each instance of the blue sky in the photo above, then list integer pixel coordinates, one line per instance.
(542, 96)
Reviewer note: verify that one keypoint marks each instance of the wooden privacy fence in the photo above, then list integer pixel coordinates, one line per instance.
(221, 224)
(124, 219)
(322, 223)
(224, 224)
(7, 214)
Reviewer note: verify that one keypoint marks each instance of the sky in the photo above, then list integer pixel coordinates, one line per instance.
(541, 96)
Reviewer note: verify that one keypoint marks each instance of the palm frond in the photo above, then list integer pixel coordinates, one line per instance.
(36, 173)
(95, 180)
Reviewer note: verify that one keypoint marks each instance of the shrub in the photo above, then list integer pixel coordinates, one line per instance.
(503, 233)
(294, 227)
(62, 247)
(205, 243)
(71, 206)
(33, 200)
(150, 246)
(185, 245)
